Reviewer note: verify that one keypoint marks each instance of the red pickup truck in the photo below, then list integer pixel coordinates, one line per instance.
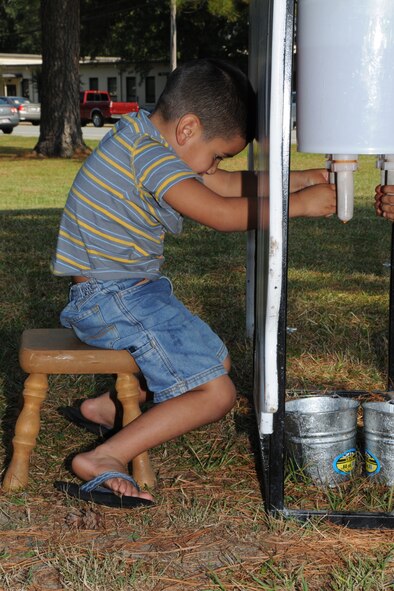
(96, 106)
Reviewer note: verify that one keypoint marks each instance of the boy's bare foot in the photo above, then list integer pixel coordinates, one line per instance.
(91, 464)
(100, 410)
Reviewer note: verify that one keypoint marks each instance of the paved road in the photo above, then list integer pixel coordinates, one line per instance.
(89, 132)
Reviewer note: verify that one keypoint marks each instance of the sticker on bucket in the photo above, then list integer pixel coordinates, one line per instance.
(345, 463)
(372, 464)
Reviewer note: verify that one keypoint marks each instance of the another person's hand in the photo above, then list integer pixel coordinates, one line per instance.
(314, 201)
(384, 201)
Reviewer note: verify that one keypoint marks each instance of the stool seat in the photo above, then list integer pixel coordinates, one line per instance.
(58, 351)
(45, 351)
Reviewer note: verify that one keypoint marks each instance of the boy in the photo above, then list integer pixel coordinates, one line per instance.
(138, 184)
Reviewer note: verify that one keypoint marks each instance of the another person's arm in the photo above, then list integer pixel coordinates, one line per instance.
(384, 201)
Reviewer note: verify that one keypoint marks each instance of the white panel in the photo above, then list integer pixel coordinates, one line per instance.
(345, 76)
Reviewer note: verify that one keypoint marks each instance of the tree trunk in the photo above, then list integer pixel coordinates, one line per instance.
(60, 130)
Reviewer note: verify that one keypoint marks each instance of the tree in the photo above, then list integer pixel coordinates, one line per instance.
(60, 130)
(139, 31)
(214, 28)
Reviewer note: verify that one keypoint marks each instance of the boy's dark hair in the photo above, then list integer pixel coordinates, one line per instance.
(217, 92)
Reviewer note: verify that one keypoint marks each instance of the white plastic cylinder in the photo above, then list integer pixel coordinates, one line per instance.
(342, 167)
(345, 76)
(380, 166)
(389, 168)
(385, 162)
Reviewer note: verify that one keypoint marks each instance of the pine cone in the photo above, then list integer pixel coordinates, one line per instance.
(84, 519)
(92, 520)
(74, 518)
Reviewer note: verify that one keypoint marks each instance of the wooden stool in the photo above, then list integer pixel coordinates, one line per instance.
(58, 351)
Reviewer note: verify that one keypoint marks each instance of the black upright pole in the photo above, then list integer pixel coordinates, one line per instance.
(391, 319)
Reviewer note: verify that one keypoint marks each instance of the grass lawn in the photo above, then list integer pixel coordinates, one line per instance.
(208, 530)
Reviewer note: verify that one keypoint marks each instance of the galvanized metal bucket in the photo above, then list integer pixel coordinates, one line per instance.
(321, 437)
(379, 440)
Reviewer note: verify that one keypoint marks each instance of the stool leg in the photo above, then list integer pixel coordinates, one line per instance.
(26, 430)
(127, 387)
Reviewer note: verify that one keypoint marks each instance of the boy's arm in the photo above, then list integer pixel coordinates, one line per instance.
(301, 179)
(227, 214)
(244, 183)
(194, 200)
(239, 183)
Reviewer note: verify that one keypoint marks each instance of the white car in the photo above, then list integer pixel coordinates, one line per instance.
(9, 117)
(27, 111)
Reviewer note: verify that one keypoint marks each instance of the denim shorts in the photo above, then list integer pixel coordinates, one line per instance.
(175, 350)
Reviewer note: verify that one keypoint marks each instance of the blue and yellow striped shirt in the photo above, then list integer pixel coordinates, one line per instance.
(115, 218)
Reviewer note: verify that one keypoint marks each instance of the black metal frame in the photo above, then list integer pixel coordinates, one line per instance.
(273, 446)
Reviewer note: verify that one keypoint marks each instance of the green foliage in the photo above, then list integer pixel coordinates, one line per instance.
(140, 32)
(226, 8)
(20, 30)
(362, 573)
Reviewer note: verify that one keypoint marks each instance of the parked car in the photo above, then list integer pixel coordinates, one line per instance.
(9, 117)
(27, 111)
(98, 107)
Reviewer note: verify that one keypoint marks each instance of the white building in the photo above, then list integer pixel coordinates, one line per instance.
(19, 76)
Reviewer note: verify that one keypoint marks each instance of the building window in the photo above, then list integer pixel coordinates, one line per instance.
(131, 88)
(11, 89)
(112, 87)
(93, 84)
(150, 89)
(25, 88)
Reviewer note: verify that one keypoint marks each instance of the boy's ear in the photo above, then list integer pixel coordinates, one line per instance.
(188, 126)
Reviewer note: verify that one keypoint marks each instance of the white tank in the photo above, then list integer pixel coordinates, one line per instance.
(345, 86)
(345, 76)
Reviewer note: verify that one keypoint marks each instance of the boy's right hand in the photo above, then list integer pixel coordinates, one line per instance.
(314, 201)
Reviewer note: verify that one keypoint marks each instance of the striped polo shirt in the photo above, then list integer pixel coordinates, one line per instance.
(115, 217)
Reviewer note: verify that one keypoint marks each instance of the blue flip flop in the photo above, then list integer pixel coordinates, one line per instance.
(94, 492)
(74, 415)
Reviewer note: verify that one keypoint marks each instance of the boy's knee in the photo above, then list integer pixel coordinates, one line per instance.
(221, 396)
(227, 363)
(228, 396)
(232, 397)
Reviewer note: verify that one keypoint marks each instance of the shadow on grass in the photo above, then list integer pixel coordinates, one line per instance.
(30, 296)
(209, 275)
(13, 152)
(328, 246)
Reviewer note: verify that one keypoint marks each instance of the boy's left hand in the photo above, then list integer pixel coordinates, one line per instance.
(314, 201)
(300, 179)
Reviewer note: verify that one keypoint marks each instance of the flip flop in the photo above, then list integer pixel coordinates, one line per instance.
(92, 491)
(74, 415)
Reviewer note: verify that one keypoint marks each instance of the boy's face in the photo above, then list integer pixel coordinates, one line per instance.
(203, 156)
